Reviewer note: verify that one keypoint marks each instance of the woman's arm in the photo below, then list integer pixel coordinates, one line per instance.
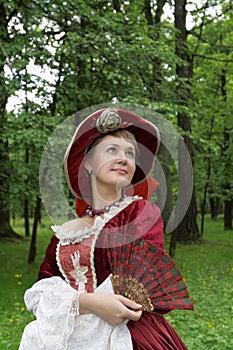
(49, 267)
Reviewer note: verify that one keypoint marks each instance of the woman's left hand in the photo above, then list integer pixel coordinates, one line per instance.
(112, 308)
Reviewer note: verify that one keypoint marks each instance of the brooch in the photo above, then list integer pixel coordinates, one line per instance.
(109, 120)
(79, 272)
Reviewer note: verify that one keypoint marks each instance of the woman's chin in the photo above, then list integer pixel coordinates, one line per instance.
(121, 185)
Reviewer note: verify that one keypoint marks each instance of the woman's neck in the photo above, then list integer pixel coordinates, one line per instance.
(100, 201)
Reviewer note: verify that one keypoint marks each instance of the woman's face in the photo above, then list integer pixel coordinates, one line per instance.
(112, 162)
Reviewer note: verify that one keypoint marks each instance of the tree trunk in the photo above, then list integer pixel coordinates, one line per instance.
(228, 215)
(187, 230)
(153, 18)
(26, 218)
(208, 159)
(227, 161)
(116, 5)
(5, 226)
(6, 231)
(203, 207)
(26, 201)
(37, 216)
(214, 204)
(166, 188)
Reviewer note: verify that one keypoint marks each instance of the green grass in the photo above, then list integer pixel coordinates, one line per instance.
(207, 269)
(16, 276)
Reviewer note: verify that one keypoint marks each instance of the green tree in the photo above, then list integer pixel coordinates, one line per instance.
(5, 229)
(187, 230)
(213, 91)
(94, 51)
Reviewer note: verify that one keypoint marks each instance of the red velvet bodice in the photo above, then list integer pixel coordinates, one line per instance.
(131, 222)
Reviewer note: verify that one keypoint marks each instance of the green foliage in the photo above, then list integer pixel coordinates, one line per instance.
(212, 89)
(65, 58)
(91, 53)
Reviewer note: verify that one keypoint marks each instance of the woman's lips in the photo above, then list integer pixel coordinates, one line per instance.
(120, 171)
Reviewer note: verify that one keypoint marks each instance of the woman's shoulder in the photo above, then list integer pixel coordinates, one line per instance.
(138, 212)
(145, 206)
(66, 226)
(72, 227)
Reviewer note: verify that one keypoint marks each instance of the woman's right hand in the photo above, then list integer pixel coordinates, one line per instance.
(112, 308)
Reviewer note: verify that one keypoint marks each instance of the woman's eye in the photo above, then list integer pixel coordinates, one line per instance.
(112, 150)
(130, 154)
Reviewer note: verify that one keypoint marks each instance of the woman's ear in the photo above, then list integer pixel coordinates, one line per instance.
(87, 167)
(88, 171)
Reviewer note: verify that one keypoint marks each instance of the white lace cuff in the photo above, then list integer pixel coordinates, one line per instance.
(55, 305)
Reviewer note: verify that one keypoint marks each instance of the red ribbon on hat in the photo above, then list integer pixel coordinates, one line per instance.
(145, 189)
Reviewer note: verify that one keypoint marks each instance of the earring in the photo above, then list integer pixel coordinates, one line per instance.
(88, 172)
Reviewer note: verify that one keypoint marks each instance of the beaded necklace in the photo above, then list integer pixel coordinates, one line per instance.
(92, 212)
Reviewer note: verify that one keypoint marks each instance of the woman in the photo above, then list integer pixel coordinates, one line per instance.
(111, 154)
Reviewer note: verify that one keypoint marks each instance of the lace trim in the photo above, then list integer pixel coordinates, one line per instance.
(75, 307)
(74, 312)
(56, 308)
(59, 263)
(73, 237)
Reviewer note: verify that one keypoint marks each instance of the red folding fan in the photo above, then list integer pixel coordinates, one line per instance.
(144, 273)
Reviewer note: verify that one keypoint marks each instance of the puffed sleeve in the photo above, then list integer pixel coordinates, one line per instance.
(149, 222)
(49, 265)
(141, 219)
(54, 304)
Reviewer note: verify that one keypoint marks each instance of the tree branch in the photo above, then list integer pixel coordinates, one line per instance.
(213, 58)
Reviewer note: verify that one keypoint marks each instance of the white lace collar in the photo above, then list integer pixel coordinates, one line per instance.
(73, 237)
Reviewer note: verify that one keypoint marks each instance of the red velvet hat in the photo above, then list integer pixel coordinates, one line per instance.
(106, 121)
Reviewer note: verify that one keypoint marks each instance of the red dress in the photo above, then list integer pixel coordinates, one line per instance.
(140, 218)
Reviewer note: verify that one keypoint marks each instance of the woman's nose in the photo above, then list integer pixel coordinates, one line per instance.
(122, 158)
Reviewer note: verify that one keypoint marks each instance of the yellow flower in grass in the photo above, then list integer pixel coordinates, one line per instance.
(11, 320)
(18, 275)
(22, 309)
(210, 325)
